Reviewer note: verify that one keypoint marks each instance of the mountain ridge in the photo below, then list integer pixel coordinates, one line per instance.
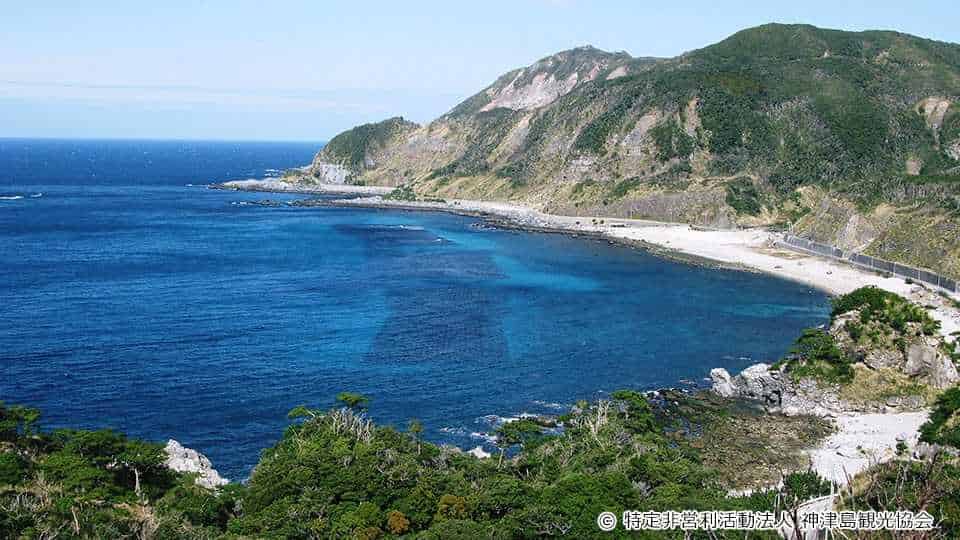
(851, 138)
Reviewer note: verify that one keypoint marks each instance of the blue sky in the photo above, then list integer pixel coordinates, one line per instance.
(305, 70)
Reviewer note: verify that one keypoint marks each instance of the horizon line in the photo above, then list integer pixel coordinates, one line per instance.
(157, 139)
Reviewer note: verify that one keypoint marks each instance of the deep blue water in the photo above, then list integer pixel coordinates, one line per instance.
(131, 300)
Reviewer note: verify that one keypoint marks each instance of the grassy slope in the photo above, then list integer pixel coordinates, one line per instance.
(780, 106)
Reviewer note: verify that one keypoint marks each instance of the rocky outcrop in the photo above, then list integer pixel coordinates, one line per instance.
(722, 383)
(777, 391)
(329, 173)
(910, 352)
(884, 359)
(550, 78)
(933, 110)
(186, 460)
(938, 369)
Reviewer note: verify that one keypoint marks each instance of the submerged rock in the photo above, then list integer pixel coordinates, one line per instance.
(186, 460)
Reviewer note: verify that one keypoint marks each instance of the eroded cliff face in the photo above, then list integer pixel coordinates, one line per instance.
(763, 128)
(917, 235)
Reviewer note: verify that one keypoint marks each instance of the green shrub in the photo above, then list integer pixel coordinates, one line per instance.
(875, 304)
(198, 505)
(350, 147)
(816, 355)
(621, 188)
(672, 141)
(12, 468)
(932, 485)
(401, 193)
(943, 427)
(743, 196)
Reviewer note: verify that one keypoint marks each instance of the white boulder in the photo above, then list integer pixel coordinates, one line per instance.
(186, 460)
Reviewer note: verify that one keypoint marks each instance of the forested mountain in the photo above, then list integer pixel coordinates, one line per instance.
(849, 137)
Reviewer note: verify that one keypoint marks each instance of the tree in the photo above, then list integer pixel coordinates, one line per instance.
(353, 400)
(517, 432)
(16, 420)
(140, 457)
(415, 428)
(943, 427)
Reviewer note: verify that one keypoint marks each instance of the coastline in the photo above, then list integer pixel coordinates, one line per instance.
(752, 250)
(277, 185)
(861, 439)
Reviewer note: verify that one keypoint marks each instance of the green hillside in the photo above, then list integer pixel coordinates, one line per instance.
(849, 137)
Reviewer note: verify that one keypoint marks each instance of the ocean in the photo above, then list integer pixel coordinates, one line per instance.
(132, 297)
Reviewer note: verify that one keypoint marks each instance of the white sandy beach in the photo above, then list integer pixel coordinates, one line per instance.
(863, 440)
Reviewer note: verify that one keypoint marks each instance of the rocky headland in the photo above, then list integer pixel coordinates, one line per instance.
(874, 372)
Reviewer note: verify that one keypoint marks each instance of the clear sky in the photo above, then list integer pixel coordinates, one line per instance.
(307, 69)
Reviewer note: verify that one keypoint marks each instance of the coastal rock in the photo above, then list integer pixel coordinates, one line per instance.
(722, 383)
(758, 382)
(806, 396)
(883, 358)
(920, 358)
(925, 359)
(479, 452)
(777, 392)
(943, 373)
(329, 173)
(186, 460)
(926, 451)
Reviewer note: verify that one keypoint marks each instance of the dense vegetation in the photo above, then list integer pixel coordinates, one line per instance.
(96, 484)
(341, 476)
(932, 483)
(875, 304)
(335, 474)
(743, 197)
(944, 425)
(817, 355)
(352, 147)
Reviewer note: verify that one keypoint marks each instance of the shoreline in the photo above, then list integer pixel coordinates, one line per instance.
(861, 439)
(750, 250)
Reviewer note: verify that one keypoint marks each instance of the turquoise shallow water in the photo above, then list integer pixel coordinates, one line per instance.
(132, 300)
